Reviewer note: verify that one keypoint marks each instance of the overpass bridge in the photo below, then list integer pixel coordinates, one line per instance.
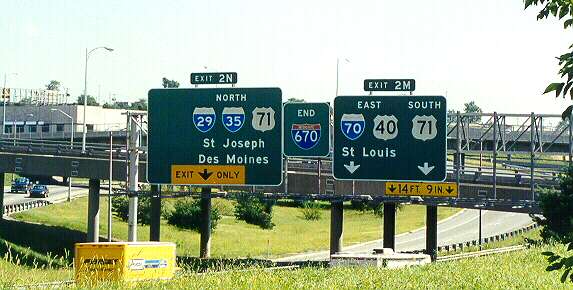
(499, 161)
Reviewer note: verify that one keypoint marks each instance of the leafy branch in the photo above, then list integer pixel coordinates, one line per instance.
(561, 9)
(557, 263)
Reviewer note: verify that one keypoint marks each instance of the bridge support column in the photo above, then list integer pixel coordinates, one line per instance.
(205, 251)
(93, 211)
(432, 231)
(2, 175)
(155, 226)
(389, 237)
(336, 225)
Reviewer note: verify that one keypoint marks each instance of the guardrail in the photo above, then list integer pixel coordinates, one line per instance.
(15, 208)
(474, 243)
(480, 253)
(496, 238)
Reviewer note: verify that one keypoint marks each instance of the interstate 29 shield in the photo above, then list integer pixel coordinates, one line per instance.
(204, 119)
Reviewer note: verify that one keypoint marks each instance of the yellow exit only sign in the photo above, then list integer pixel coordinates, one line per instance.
(207, 174)
(441, 189)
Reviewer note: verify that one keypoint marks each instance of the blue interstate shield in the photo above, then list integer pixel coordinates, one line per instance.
(305, 136)
(352, 125)
(233, 118)
(204, 119)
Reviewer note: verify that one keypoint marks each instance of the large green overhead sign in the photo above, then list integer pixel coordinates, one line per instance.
(400, 138)
(306, 129)
(215, 136)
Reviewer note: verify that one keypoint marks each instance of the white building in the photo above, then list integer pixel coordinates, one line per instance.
(50, 120)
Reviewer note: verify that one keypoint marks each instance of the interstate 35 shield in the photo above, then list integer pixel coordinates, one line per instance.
(305, 136)
(233, 118)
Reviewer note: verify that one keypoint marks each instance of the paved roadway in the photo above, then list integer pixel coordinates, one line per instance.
(57, 194)
(459, 228)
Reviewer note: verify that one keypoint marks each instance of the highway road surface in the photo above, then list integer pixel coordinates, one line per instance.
(57, 194)
(461, 227)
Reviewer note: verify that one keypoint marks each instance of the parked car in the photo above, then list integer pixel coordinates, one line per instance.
(39, 190)
(21, 184)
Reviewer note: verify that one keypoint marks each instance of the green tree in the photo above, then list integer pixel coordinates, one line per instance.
(53, 85)
(91, 101)
(295, 100)
(452, 115)
(167, 83)
(552, 204)
(141, 105)
(472, 107)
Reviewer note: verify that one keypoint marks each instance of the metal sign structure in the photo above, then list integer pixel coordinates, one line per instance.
(215, 136)
(390, 85)
(442, 189)
(213, 78)
(400, 138)
(306, 129)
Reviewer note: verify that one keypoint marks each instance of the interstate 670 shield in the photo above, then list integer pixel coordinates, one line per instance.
(306, 129)
(400, 138)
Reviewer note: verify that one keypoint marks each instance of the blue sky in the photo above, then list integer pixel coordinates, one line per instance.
(490, 51)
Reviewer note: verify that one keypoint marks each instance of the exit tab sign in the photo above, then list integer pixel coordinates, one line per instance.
(390, 85)
(213, 78)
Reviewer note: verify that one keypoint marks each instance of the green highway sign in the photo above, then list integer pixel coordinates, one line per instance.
(390, 85)
(215, 136)
(213, 78)
(306, 129)
(400, 138)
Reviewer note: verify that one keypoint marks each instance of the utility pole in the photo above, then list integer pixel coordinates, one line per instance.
(133, 148)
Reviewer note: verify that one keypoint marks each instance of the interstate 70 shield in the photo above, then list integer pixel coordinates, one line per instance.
(352, 125)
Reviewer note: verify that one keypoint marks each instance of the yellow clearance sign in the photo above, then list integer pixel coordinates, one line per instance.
(207, 174)
(442, 189)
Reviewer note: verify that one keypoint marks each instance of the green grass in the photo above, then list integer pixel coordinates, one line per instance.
(8, 177)
(517, 270)
(232, 238)
(521, 270)
(12, 274)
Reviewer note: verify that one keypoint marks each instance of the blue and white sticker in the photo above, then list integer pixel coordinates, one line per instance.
(233, 118)
(305, 136)
(352, 125)
(204, 119)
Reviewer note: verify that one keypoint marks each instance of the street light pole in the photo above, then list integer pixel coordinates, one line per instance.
(86, 93)
(71, 147)
(4, 104)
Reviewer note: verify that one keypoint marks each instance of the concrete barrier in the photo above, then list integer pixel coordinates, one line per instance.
(15, 208)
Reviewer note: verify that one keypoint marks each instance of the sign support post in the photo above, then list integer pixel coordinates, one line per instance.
(432, 231)
(205, 251)
(336, 226)
(155, 226)
(389, 239)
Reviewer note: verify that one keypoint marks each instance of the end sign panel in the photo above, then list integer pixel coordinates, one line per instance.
(400, 138)
(307, 129)
(215, 136)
